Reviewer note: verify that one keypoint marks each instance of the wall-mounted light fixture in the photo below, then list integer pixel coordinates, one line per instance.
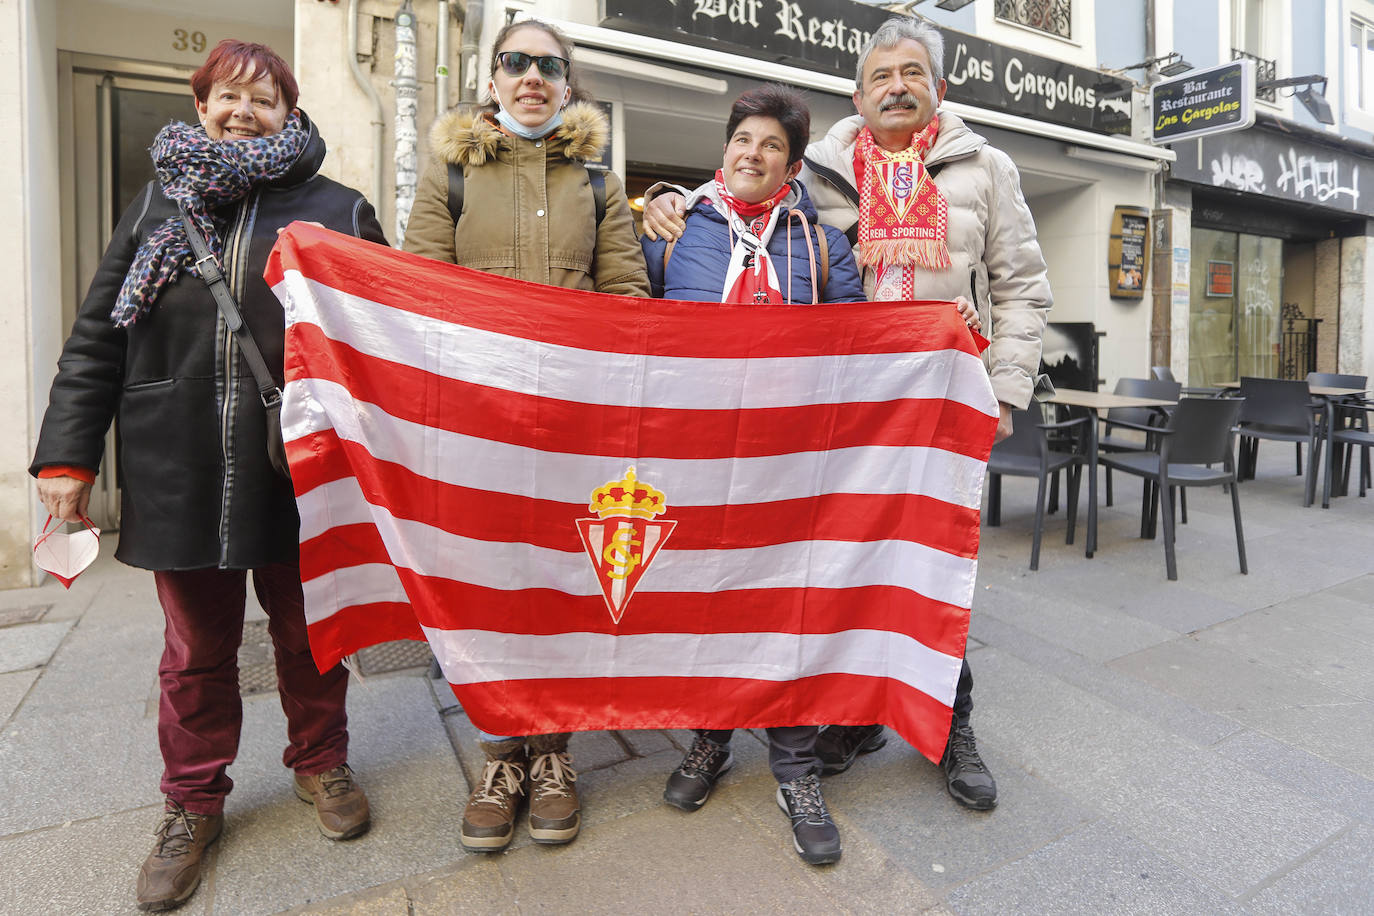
(906, 7)
(1305, 90)
(1171, 64)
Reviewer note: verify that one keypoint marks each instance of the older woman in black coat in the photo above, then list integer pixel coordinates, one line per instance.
(201, 503)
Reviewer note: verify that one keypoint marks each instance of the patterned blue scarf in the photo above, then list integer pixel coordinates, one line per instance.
(203, 175)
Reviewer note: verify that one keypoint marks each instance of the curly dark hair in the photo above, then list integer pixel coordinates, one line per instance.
(783, 104)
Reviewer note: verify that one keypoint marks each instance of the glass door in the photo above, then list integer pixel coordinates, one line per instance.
(1235, 306)
(116, 108)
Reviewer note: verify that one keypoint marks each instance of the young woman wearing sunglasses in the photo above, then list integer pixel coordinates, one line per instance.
(524, 177)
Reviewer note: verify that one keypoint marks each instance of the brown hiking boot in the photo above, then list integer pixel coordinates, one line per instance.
(489, 818)
(555, 815)
(171, 873)
(340, 805)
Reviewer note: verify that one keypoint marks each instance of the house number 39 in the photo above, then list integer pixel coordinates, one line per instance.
(183, 40)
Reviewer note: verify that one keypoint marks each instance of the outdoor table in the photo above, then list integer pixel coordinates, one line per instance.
(1091, 402)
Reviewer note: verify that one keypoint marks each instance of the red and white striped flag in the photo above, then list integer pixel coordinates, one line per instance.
(606, 512)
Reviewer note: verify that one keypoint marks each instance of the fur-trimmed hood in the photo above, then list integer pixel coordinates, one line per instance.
(468, 137)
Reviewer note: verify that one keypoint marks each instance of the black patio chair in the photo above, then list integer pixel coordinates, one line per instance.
(1337, 380)
(1162, 374)
(1281, 410)
(1164, 389)
(1027, 453)
(1349, 428)
(1199, 434)
(1353, 419)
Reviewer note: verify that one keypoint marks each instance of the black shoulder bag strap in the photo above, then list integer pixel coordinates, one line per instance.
(455, 191)
(207, 265)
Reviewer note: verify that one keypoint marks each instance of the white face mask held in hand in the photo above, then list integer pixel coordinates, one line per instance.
(65, 555)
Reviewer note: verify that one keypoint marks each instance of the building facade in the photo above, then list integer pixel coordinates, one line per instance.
(1133, 231)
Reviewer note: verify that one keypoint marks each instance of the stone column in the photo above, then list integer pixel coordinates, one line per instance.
(1356, 334)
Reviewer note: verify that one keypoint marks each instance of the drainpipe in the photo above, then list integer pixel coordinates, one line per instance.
(378, 126)
(441, 53)
(407, 105)
(467, 55)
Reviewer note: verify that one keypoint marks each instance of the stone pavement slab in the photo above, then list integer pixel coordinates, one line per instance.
(71, 766)
(1095, 869)
(1226, 824)
(272, 851)
(1320, 780)
(83, 866)
(14, 686)
(30, 645)
(1217, 678)
(1337, 878)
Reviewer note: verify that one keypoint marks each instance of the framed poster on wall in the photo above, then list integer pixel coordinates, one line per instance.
(1221, 278)
(1127, 251)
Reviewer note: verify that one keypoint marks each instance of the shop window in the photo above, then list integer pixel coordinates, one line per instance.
(1360, 64)
(1054, 17)
(1235, 306)
(1252, 39)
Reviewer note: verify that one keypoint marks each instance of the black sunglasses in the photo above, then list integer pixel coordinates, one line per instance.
(517, 63)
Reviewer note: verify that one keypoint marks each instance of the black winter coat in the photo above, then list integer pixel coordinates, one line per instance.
(197, 488)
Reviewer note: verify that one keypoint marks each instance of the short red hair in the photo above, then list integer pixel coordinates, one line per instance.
(246, 62)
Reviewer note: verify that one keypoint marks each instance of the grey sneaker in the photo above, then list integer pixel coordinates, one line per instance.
(814, 834)
(691, 783)
(966, 775)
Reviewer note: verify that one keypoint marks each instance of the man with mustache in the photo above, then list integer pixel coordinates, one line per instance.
(934, 212)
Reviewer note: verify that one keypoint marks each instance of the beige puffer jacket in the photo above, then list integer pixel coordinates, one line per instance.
(528, 210)
(991, 233)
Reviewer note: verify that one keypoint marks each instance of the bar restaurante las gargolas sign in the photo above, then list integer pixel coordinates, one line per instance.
(826, 35)
(1203, 102)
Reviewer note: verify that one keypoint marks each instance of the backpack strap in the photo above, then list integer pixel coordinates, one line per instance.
(598, 179)
(824, 245)
(455, 191)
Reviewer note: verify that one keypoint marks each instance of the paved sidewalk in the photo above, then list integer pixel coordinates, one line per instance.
(1199, 746)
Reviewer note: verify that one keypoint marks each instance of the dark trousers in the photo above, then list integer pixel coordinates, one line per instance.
(963, 697)
(200, 713)
(791, 749)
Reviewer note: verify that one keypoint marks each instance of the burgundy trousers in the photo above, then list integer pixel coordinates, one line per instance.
(200, 714)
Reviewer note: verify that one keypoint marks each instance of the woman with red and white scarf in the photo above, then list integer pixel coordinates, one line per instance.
(751, 233)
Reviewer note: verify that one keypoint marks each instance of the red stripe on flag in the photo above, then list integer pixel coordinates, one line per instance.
(359, 626)
(619, 324)
(450, 605)
(505, 517)
(590, 704)
(556, 425)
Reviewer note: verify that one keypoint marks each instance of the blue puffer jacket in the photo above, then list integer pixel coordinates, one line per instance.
(696, 270)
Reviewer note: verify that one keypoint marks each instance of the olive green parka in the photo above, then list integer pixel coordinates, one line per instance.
(528, 210)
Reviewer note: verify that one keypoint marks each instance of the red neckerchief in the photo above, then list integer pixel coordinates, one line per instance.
(752, 280)
(755, 215)
(903, 217)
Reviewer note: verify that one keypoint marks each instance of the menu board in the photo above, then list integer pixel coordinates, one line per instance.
(1127, 251)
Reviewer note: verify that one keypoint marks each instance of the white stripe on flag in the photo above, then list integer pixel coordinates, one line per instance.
(628, 379)
(480, 656)
(507, 566)
(349, 586)
(481, 464)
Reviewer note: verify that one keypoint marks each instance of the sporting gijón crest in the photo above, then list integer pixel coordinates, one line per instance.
(625, 536)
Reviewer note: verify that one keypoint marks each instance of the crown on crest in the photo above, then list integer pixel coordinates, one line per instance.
(628, 496)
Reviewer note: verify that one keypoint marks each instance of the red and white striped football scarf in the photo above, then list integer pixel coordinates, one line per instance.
(750, 276)
(903, 217)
